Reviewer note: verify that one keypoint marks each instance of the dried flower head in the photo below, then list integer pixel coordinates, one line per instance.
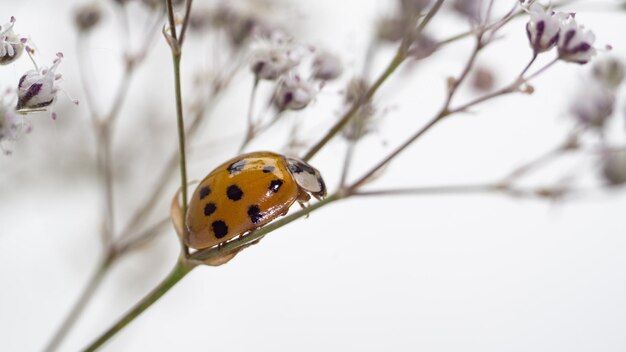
(609, 72)
(38, 89)
(273, 58)
(543, 28)
(613, 168)
(594, 106)
(293, 93)
(326, 66)
(422, 47)
(362, 122)
(87, 16)
(413, 7)
(575, 43)
(483, 79)
(391, 29)
(240, 25)
(11, 45)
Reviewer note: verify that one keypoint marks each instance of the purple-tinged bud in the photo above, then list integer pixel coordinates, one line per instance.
(470, 9)
(37, 89)
(483, 79)
(293, 93)
(543, 28)
(11, 45)
(272, 59)
(326, 66)
(10, 127)
(575, 43)
(594, 106)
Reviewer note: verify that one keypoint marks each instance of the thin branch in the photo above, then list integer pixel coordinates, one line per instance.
(180, 270)
(79, 305)
(397, 60)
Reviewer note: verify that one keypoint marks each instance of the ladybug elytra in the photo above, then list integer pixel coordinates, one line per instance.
(246, 193)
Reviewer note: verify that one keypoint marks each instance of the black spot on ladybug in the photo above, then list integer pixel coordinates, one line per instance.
(236, 167)
(234, 192)
(268, 169)
(275, 185)
(255, 213)
(220, 229)
(209, 209)
(204, 192)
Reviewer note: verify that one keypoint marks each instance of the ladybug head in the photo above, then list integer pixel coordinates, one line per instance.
(307, 177)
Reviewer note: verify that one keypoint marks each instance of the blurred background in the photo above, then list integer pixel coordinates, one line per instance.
(483, 271)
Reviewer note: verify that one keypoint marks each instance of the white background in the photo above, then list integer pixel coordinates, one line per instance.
(430, 273)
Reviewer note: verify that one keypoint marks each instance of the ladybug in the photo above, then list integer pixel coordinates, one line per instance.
(246, 193)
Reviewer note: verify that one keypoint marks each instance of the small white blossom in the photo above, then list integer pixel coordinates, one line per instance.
(38, 89)
(575, 43)
(543, 28)
(326, 66)
(11, 126)
(293, 93)
(272, 59)
(11, 45)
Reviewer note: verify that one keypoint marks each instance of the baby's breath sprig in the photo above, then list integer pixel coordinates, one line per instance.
(215, 256)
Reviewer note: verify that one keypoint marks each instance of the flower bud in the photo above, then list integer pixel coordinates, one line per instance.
(87, 16)
(614, 167)
(362, 122)
(271, 60)
(392, 29)
(292, 93)
(422, 47)
(483, 79)
(11, 45)
(594, 106)
(543, 28)
(609, 72)
(575, 43)
(37, 89)
(10, 126)
(470, 9)
(326, 66)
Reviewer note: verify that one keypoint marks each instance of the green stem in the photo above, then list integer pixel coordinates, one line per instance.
(209, 253)
(398, 59)
(393, 65)
(179, 271)
(181, 134)
(80, 305)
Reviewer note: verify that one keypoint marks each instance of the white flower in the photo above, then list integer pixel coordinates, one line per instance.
(575, 43)
(593, 106)
(38, 89)
(272, 59)
(11, 126)
(326, 66)
(11, 45)
(543, 28)
(292, 93)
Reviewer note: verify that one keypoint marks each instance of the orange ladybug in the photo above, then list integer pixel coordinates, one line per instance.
(246, 193)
